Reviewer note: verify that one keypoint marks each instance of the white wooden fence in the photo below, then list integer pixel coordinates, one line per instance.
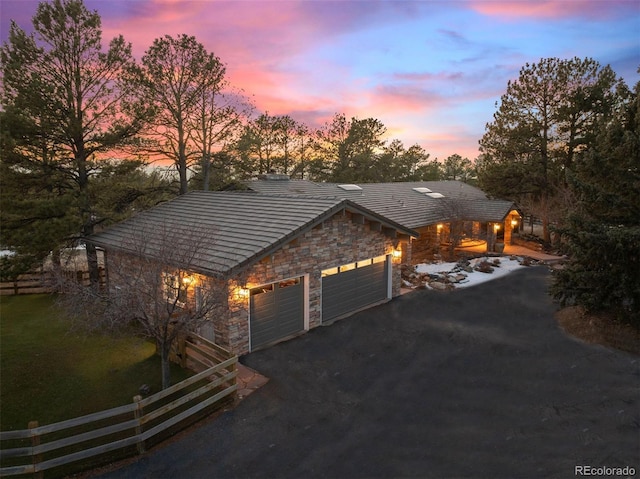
(126, 430)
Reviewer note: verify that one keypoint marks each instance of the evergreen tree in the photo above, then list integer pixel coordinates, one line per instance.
(603, 228)
(66, 104)
(457, 168)
(545, 119)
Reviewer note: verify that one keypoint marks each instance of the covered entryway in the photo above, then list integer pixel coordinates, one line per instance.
(276, 312)
(350, 287)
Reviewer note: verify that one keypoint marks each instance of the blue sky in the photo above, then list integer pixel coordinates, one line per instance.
(431, 71)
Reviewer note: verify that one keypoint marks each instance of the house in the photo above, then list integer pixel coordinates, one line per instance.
(442, 212)
(291, 255)
(287, 263)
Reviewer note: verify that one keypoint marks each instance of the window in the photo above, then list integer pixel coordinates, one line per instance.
(329, 272)
(380, 259)
(350, 187)
(289, 282)
(174, 291)
(361, 264)
(262, 289)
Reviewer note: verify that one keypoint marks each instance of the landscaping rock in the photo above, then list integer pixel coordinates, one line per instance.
(437, 285)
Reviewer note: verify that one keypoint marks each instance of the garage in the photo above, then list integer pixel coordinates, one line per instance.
(351, 287)
(276, 312)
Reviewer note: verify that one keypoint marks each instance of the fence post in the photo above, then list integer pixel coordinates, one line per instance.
(35, 441)
(182, 350)
(138, 413)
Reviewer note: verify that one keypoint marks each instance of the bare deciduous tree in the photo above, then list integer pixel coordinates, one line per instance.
(153, 288)
(455, 211)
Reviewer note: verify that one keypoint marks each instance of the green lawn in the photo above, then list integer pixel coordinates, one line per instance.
(49, 374)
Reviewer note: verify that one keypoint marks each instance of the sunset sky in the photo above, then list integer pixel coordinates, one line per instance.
(431, 71)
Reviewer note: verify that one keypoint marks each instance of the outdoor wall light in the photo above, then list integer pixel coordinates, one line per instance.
(514, 222)
(496, 227)
(439, 227)
(240, 293)
(396, 253)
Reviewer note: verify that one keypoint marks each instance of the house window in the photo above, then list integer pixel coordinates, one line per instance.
(174, 290)
(199, 294)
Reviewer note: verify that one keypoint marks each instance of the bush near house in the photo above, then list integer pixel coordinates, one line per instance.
(50, 374)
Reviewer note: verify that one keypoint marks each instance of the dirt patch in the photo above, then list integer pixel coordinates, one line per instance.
(599, 329)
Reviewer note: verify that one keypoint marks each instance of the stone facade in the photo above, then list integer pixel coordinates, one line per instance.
(426, 245)
(337, 241)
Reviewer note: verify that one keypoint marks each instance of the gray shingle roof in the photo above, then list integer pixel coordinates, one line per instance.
(399, 201)
(246, 226)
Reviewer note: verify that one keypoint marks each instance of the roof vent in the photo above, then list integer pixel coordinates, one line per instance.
(422, 190)
(435, 195)
(350, 187)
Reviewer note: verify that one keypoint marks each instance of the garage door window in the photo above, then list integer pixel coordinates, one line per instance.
(358, 264)
(330, 271)
(288, 283)
(262, 289)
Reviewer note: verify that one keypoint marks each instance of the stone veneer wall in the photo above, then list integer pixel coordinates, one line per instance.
(337, 241)
(121, 263)
(424, 247)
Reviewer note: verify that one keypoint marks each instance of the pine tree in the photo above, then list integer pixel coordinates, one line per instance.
(66, 105)
(603, 232)
(545, 119)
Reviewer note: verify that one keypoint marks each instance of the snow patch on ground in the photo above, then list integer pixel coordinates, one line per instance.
(500, 267)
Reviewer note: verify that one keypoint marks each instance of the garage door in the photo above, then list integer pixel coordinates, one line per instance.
(276, 312)
(351, 287)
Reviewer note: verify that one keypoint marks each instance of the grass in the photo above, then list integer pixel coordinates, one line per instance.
(50, 374)
(599, 328)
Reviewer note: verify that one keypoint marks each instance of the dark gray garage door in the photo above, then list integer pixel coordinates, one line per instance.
(277, 311)
(348, 289)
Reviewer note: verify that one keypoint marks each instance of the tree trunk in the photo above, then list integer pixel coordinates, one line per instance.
(166, 370)
(182, 171)
(546, 234)
(92, 262)
(206, 169)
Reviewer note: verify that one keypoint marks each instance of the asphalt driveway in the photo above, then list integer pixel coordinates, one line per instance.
(475, 383)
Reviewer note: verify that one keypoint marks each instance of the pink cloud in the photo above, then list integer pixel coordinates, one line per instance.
(442, 145)
(408, 98)
(553, 9)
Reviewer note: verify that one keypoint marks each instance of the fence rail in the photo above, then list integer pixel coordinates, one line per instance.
(37, 282)
(127, 429)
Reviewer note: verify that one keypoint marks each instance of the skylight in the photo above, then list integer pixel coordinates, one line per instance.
(350, 187)
(435, 195)
(422, 190)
